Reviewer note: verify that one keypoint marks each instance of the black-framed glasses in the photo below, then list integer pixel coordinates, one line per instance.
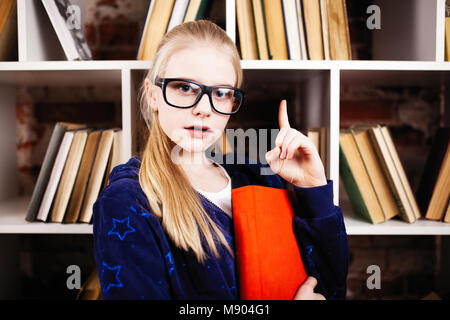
(182, 93)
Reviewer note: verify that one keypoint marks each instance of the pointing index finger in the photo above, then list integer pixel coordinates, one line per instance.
(283, 119)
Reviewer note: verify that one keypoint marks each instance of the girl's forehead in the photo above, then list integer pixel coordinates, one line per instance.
(203, 64)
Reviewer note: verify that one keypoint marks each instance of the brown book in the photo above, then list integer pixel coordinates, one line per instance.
(273, 12)
(156, 28)
(390, 171)
(447, 213)
(376, 174)
(441, 192)
(8, 30)
(192, 9)
(356, 180)
(339, 36)
(319, 137)
(261, 40)
(432, 168)
(69, 174)
(76, 200)
(401, 172)
(325, 35)
(115, 156)
(97, 174)
(246, 28)
(313, 28)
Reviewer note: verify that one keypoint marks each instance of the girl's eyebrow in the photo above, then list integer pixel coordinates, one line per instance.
(220, 84)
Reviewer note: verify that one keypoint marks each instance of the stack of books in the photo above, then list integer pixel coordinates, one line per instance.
(162, 16)
(373, 175)
(75, 169)
(293, 29)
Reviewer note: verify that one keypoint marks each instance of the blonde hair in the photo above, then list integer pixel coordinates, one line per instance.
(169, 192)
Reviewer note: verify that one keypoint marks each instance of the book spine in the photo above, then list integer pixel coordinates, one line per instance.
(44, 173)
(351, 187)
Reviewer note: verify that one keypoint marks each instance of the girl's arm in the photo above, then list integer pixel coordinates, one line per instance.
(320, 232)
(129, 262)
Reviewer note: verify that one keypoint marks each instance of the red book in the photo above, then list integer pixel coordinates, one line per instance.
(269, 263)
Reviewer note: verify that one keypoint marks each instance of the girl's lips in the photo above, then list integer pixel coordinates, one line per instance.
(198, 133)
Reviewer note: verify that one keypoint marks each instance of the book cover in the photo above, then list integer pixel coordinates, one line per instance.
(301, 29)
(97, 175)
(390, 171)
(441, 192)
(246, 29)
(72, 38)
(55, 176)
(313, 29)
(46, 168)
(375, 172)
(266, 271)
(356, 180)
(273, 12)
(192, 10)
(157, 27)
(339, 37)
(178, 13)
(266, 32)
(261, 36)
(401, 172)
(8, 30)
(82, 179)
(292, 35)
(325, 36)
(69, 174)
(432, 168)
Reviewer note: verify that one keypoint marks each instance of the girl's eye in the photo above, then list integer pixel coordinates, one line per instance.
(223, 93)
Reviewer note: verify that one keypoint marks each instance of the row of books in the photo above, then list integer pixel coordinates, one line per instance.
(75, 169)
(293, 29)
(376, 183)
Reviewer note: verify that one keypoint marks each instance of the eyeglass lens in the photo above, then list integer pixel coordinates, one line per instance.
(184, 94)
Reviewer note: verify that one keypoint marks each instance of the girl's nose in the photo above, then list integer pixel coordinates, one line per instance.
(203, 107)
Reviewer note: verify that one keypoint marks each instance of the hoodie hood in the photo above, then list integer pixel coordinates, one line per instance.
(128, 170)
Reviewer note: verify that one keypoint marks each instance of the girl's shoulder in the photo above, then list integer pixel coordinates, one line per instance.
(123, 185)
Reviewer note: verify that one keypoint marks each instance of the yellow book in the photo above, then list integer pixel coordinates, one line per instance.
(273, 12)
(156, 28)
(260, 30)
(246, 28)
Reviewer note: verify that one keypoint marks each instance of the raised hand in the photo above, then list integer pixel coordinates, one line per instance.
(295, 157)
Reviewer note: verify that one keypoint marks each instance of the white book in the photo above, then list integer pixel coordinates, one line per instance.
(291, 25)
(301, 30)
(55, 176)
(68, 29)
(178, 13)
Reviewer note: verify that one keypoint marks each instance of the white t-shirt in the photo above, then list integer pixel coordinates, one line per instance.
(222, 198)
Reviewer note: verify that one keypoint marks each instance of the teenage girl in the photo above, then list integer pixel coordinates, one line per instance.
(163, 227)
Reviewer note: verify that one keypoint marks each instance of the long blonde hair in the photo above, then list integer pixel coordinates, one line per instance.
(169, 192)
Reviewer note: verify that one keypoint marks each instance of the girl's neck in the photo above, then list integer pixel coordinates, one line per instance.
(195, 162)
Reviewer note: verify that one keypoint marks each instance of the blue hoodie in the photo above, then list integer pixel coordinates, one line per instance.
(136, 259)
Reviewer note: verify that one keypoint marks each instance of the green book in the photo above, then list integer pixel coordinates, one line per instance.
(355, 196)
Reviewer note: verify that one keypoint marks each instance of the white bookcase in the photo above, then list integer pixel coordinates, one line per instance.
(408, 50)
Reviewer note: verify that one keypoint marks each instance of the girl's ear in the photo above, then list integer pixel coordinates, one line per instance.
(150, 94)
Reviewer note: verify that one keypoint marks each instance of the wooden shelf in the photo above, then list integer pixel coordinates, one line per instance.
(12, 220)
(357, 226)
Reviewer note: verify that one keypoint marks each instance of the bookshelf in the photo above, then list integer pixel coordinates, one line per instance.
(39, 65)
(413, 55)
